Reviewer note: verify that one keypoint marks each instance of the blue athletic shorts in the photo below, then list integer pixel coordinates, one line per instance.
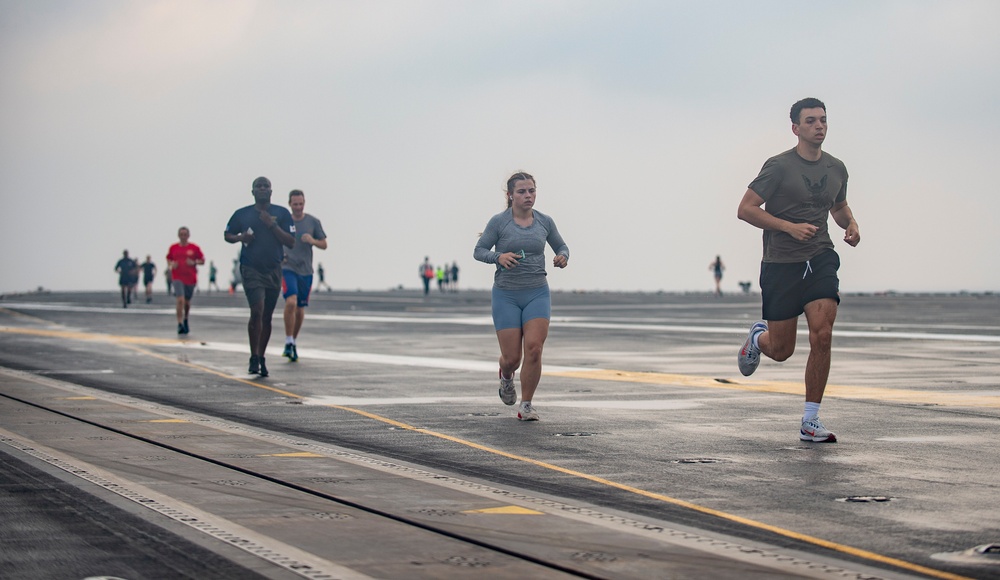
(787, 288)
(512, 308)
(294, 284)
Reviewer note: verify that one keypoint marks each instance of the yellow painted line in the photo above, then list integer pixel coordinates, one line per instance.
(857, 552)
(131, 342)
(788, 388)
(17, 314)
(165, 421)
(506, 510)
(90, 336)
(656, 378)
(293, 454)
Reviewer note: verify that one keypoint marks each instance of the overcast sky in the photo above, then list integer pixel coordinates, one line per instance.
(643, 122)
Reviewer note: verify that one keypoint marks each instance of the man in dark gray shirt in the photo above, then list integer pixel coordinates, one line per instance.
(297, 270)
(263, 230)
(801, 188)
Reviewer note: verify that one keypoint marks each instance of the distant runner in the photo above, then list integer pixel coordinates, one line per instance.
(264, 230)
(297, 270)
(184, 259)
(126, 268)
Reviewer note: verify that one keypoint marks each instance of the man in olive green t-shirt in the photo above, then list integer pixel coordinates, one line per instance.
(798, 273)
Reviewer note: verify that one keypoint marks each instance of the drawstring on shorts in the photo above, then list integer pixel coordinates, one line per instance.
(807, 271)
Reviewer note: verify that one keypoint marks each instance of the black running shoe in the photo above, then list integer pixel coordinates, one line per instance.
(180, 329)
(254, 365)
(288, 350)
(187, 329)
(263, 368)
(295, 354)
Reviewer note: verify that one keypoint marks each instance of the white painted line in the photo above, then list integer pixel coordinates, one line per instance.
(557, 321)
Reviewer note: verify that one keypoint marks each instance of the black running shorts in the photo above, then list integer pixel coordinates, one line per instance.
(787, 288)
(261, 286)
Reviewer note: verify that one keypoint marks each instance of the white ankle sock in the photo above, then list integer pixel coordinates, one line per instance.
(811, 412)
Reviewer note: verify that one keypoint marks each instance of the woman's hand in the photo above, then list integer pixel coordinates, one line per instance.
(508, 260)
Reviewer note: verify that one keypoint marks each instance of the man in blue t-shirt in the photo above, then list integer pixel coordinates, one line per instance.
(265, 231)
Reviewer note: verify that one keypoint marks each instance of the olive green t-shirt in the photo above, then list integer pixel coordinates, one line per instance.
(799, 191)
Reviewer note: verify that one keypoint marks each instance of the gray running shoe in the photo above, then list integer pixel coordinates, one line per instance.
(527, 412)
(813, 430)
(749, 356)
(508, 394)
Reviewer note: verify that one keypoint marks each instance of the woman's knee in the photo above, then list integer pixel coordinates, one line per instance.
(512, 361)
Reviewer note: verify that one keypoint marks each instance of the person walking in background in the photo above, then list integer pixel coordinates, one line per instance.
(213, 274)
(439, 274)
(454, 277)
(125, 268)
(133, 282)
(514, 240)
(265, 230)
(426, 274)
(237, 279)
(297, 270)
(717, 267)
(798, 273)
(148, 272)
(322, 278)
(184, 259)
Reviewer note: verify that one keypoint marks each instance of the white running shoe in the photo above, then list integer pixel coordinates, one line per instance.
(526, 412)
(749, 356)
(508, 394)
(813, 430)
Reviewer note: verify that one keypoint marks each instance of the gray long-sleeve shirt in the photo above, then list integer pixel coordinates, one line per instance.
(503, 235)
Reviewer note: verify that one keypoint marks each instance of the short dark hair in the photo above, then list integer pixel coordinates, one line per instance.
(295, 192)
(808, 103)
(261, 181)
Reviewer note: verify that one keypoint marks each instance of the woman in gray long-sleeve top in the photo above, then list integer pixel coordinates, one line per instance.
(514, 240)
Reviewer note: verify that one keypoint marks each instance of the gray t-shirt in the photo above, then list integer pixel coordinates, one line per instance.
(299, 258)
(799, 191)
(503, 234)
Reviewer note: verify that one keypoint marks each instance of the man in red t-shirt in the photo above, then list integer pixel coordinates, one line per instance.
(183, 259)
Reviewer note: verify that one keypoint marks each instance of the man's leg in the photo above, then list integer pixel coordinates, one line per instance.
(820, 315)
(300, 316)
(778, 341)
(290, 315)
(267, 312)
(254, 326)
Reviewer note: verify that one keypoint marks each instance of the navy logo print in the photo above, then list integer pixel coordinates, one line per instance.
(815, 188)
